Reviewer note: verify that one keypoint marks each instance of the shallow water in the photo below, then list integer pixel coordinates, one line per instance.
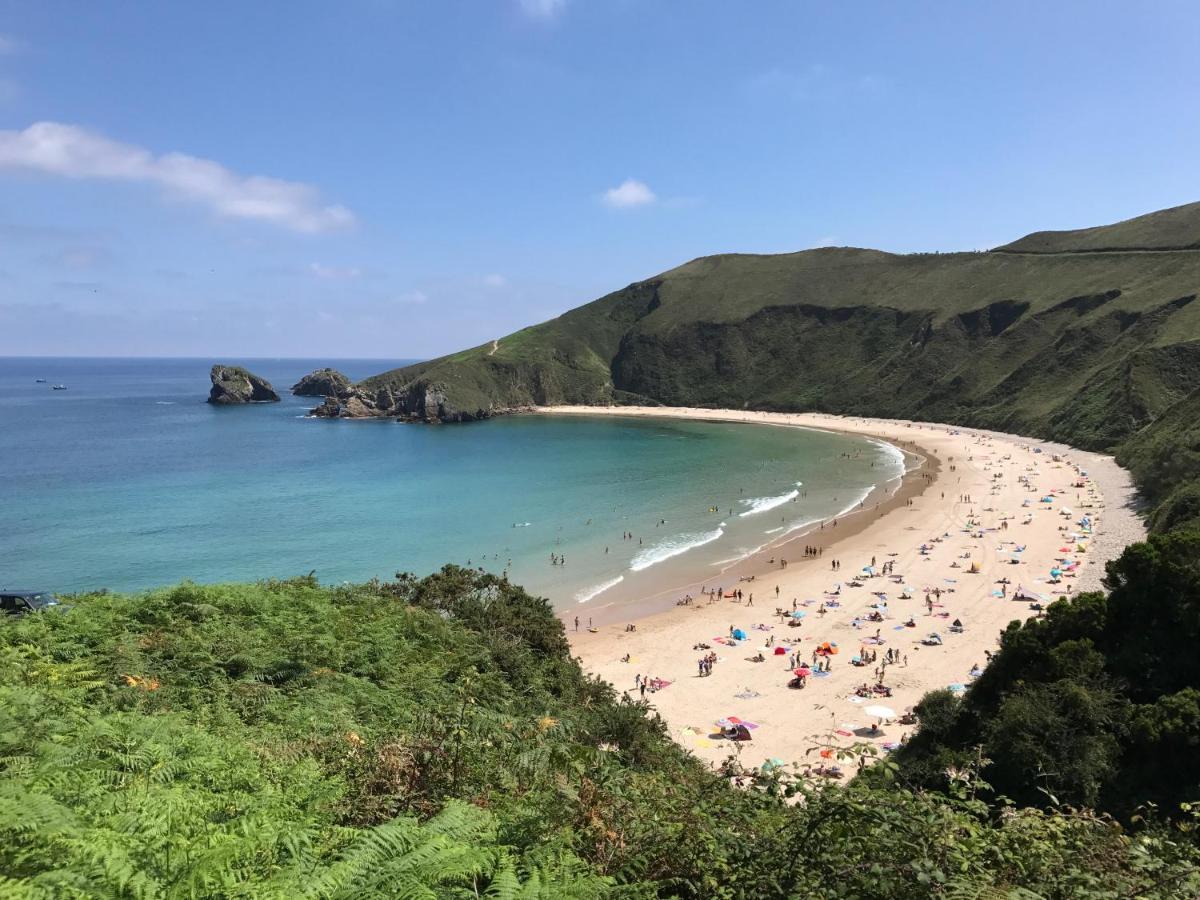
(128, 480)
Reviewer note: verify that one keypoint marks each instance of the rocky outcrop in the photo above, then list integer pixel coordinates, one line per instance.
(420, 401)
(322, 383)
(233, 384)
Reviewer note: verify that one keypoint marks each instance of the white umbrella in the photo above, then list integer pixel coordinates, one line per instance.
(880, 712)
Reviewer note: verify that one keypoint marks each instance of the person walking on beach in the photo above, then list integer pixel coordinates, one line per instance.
(577, 623)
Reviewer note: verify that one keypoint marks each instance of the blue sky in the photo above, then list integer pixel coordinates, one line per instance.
(390, 179)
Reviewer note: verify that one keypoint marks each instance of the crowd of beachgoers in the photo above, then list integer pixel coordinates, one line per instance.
(835, 637)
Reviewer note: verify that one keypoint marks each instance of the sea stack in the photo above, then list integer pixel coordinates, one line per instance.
(322, 383)
(233, 384)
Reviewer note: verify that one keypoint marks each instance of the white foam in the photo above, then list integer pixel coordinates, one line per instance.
(894, 452)
(591, 593)
(807, 523)
(762, 504)
(663, 551)
(853, 506)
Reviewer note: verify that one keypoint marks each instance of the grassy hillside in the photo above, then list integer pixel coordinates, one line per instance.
(1047, 336)
(433, 739)
(1178, 227)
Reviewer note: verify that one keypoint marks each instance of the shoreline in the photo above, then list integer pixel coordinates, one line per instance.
(996, 478)
(919, 462)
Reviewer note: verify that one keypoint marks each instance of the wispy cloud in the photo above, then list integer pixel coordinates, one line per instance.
(815, 82)
(495, 280)
(333, 273)
(629, 193)
(69, 151)
(413, 297)
(542, 9)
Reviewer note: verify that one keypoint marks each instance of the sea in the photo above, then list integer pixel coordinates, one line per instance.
(128, 480)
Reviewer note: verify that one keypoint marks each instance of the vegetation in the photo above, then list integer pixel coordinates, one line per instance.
(1095, 704)
(433, 738)
(1090, 337)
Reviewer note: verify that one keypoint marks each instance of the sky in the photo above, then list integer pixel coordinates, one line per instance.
(386, 179)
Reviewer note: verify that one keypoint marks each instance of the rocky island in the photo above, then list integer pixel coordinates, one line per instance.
(322, 383)
(233, 384)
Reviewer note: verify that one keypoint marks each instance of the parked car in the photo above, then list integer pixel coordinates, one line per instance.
(18, 603)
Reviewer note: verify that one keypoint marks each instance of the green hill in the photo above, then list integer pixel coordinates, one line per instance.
(1084, 336)
(1167, 229)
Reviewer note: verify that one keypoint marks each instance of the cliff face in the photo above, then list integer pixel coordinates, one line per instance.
(233, 384)
(1085, 336)
(1051, 335)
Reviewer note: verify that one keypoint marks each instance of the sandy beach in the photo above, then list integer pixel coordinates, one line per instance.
(981, 519)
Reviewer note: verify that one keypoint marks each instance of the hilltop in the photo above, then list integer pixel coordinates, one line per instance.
(1086, 337)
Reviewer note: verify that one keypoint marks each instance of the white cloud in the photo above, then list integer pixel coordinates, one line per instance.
(495, 280)
(628, 193)
(542, 9)
(333, 272)
(828, 241)
(413, 297)
(72, 152)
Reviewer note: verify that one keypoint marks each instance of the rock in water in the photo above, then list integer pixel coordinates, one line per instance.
(322, 383)
(233, 384)
(330, 409)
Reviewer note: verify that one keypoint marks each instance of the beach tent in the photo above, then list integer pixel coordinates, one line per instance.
(780, 651)
(739, 634)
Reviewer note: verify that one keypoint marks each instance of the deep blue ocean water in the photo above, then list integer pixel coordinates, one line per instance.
(128, 480)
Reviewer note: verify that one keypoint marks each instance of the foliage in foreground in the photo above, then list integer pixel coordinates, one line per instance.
(1097, 703)
(434, 739)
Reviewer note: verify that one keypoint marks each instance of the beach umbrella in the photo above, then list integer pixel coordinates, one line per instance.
(803, 671)
(880, 712)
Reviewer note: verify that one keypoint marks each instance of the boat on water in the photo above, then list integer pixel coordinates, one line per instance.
(58, 387)
(40, 380)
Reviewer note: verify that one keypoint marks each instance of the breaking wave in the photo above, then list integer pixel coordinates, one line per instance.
(762, 504)
(591, 593)
(652, 556)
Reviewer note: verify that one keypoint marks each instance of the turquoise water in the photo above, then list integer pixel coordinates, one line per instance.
(128, 480)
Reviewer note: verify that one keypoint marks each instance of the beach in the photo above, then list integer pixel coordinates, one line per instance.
(980, 520)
